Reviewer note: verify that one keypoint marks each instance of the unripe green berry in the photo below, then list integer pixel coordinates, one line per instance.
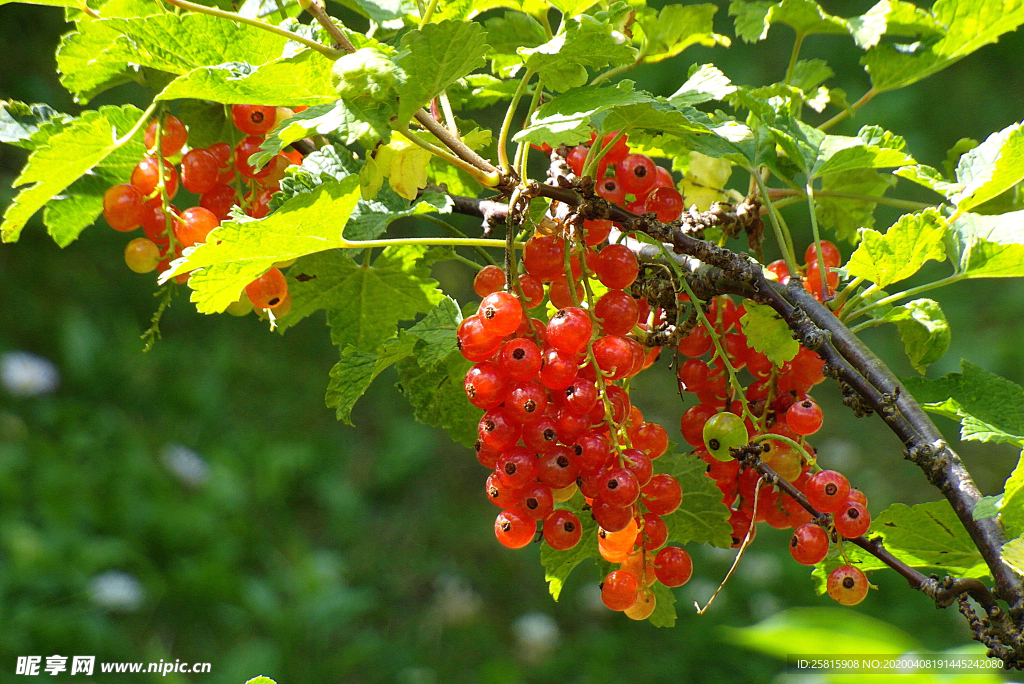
(722, 432)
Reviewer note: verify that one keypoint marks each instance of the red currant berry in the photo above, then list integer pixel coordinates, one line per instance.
(617, 152)
(558, 368)
(654, 534)
(489, 279)
(666, 203)
(636, 173)
(581, 396)
(809, 544)
(257, 203)
(124, 207)
(614, 355)
(662, 495)
(245, 149)
(617, 311)
(146, 176)
(476, 342)
(852, 520)
(533, 290)
(526, 402)
(638, 463)
(812, 281)
(172, 139)
(619, 590)
(650, 438)
(544, 257)
(857, 496)
(517, 467)
(562, 530)
(696, 343)
(847, 585)
(501, 313)
(514, 528)
(663, 178)
(558, 469)
(155, 225)
(673, 566)
(569, 330)
(827, 491)
(610, 189)
(194, 227)
(829, 252)
(199, 171)
(486, 385)
(804, 417)
(561, 296)
(497, 430)
(219, 201)
(619, 487)
(254, 119)
(617, 267)
(520, 359)
(595, 232)
(576, 158)
(592, 451)
(541, 435)
(499, 494)
(692, 423)
(780, 270)
(536, 501)
(269, 290)
(807, 368)
(141, 255)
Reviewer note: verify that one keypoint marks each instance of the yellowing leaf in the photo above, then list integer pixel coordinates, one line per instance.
(404, 164)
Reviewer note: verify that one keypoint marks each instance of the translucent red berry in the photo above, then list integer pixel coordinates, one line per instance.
(619, 590)
(269, 290)
(809, 544)
(124, 207)
(804, 417)
(662, 495)
(827, 491)
(489, 279)
(514, 528)
(852, 520)
(673, 566)
(617, 267)
(562, 530)
(847, 585)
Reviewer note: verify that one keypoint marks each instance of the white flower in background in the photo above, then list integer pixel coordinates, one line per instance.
(537, 635)
(186, 464)
(116, 590)
(455, 601)
(27, 375)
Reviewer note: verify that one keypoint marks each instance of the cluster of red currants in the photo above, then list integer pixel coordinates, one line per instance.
(775, 402)
(629, 180)
(558, 418)
(222, 178)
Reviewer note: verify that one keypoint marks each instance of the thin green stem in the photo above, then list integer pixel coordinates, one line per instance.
(452, 230)
(793, 57)
(846, 112)
(506, 124)
(521, 158)
(484, 178)
(468, 262)
(449, 115)
(844, 294)
(593, 159)
(542, 17)
(822, 269)
(619, 70)
(778, 224)
(325, 20)
(138, 124)
(892, 299)
(231, 16)
(429, 14)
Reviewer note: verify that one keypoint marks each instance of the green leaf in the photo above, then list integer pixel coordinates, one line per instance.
(675, 28)
(566, 119)
(664, 614)
(338, 118)
(585, 42)
(302, 80)
(1013, 555)
(705, 83)
(808, 74)
(989, 408)
(753, 19)
(436, 56)
(436, 332)
(261, 680)
(844, 632)
(928, 535)
(702, 517)
(872, 148)
(988, 246)
(506, 34)
(350, 378)
(19, 122)
(767, 333)
(963, 27)
(929, 177)
(558, 565)
(63, 159)
(894, 18)
(99, 55)
(923, 329)
(571, 8)
(438, 397)
(207, 123)
(900, 253)
(1012, 509)
(240, 250)
(991, 168)
(847, 216)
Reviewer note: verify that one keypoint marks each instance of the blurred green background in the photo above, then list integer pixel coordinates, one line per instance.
(200, 503)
